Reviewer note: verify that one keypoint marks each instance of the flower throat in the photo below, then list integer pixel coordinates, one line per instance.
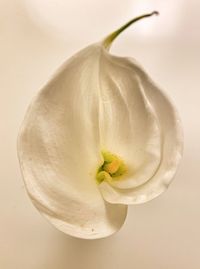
(111, 169)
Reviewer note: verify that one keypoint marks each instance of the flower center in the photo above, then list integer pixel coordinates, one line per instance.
(111, 169)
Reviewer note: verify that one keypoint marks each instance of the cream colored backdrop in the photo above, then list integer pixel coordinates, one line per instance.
(35, 38)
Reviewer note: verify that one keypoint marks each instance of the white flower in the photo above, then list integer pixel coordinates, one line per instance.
(98, 137)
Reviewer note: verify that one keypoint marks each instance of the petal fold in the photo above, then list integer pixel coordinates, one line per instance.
(166, 143)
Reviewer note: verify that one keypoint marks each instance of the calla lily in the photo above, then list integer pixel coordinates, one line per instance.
(98, 137)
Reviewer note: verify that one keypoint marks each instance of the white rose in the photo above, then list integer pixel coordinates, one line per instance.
(98, 137)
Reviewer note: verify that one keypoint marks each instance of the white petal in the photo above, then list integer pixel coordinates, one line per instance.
(129, 125)
(170, 147)
(59, 151)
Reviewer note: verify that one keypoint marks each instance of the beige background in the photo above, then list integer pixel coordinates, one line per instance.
(36, 36)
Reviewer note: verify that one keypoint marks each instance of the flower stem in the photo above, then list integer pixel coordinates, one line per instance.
(109, 39)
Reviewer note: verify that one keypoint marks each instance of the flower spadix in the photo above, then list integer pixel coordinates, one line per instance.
(99, 136)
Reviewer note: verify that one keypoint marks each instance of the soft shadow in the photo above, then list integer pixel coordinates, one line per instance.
(69, 252)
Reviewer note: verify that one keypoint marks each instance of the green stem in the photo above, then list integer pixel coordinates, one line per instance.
(108, 40)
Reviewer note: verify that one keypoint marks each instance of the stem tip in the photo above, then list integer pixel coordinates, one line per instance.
(109, 39)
